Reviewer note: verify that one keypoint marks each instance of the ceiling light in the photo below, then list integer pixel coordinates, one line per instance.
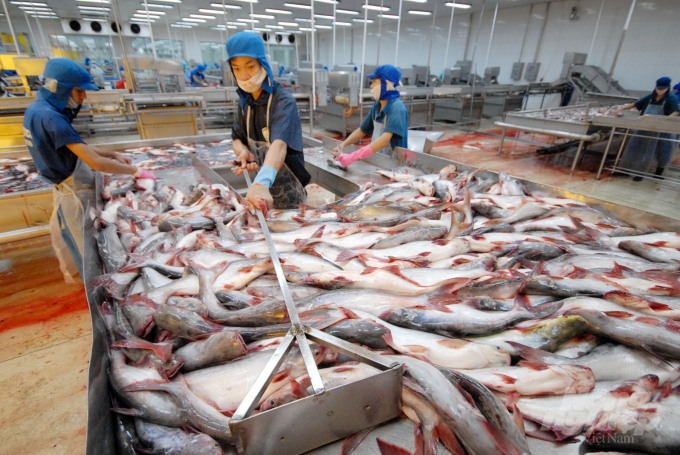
(33, 8)
(344, 24)
(420, 13)
(141, 22)
(190, 19)
(297, 5)
(259, 29)
(157, 16)
(170, 1)
(43, 17)
(186, 23)
(388, 16)
(29, 3)
(247, 1)
(306, 29)
(458, 5)
(276, 27)
(219, 5)
(92, 18)
(254, 21)
(289, 24)
(104, 13)
(217, 28)
(94, 1)
(302, 19)
(154, 5)
(94, 8)
(326, 1)
(417, 1)
(210, 11)
(323, 16)
(323, 26)
(368, 21)
(240, 24)
(180, 26)
(202, 16)
(263, 16)
(376, 8)
(346, 11)
(143, 11)
(278, 11)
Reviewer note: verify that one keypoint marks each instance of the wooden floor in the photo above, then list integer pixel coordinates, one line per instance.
(45, 337)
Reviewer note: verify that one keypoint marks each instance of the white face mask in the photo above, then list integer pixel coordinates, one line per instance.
(72, 104)
(253, 84)
(375, 91)
(661, 91)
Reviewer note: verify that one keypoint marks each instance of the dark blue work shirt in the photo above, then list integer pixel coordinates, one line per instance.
(199, 75)
(284, 124)
(47, 133)
(397, 121)
(669, 102)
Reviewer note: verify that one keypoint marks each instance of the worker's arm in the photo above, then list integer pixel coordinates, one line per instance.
(258, 196)
(625, 108)
(199, 81)
(674, 114)
(382, 142)
(110, 154)
(353, 138)
(276, 155)
(98, 162)
(246, 158)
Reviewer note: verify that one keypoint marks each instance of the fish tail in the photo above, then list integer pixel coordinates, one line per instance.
(449, 439)
(163, 351)
(352, 442)
(390, 449)
(501, 439)
(139, 261)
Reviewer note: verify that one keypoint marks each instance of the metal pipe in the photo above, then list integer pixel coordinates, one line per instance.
(396, 51)
(334, 3)
(618, 49)
(252, 19)
(34, 41)
(526, 32)
(479, 29)
(226, 27)
(580, 137)
(11, 29)
(46, 43)
(467, 39)
(148, 21)
(377, 57)
(540, 36)
(312, 104)
(363, 61)
(429, 53)
(493, 27)
(172, 46)
(129, 77)
(448, 39)
(597, 25)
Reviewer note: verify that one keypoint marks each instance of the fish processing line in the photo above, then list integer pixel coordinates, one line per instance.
(100, 431)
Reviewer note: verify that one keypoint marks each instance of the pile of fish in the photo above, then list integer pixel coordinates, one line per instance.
(577, 115)
(178, 155)
(514, 314)
(20, 174)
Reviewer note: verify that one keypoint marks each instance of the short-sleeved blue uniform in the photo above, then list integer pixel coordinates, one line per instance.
(47, 132)
(669, 102)
(284, 124)
(201, 76)
(397, 121)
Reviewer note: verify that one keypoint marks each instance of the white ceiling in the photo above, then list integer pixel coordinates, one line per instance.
(126, 9)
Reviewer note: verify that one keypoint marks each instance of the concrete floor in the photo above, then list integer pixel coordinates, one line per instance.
(45, 330)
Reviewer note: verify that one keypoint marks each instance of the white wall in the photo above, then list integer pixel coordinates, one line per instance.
(647, 53)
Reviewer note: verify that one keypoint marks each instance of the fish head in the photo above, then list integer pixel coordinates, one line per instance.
(556, 332)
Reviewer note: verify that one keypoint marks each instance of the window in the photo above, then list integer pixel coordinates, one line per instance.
(164, 48)
(80, 48)
(213, 53)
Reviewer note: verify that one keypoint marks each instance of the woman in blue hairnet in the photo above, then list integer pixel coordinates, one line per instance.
(646, 146)
(267, 132)
(59, 153)
(387, 120)
(197, 76)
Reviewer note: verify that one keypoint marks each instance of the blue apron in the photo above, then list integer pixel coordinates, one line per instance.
(641, 151)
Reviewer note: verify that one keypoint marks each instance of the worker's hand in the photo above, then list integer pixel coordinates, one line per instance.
(247, 161)
(121, 158)
(259, 198)
(349, 158)
(337, 151)
(144, 174)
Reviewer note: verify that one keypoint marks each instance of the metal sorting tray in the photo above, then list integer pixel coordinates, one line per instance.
(100, 438)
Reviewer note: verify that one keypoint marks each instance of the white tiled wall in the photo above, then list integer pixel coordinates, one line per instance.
(649, 50)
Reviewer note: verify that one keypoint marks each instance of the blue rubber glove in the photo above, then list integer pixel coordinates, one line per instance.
(266, 176)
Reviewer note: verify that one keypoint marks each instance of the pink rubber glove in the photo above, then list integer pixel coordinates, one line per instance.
(144, 174)
(350, 158)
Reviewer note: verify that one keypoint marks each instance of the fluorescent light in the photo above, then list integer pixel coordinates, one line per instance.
(253, 21)
(344, 24)
(369, 21)
(170, 1)
(297, 5)
(217, 28)
(276, 27)
(219, 5)
(155, 16)
(263, 16)
(143, 11)
(91, 19)
(210, 11)
(94, 1)
(458, 5)
(103, 13)
(376, 8)
(180, 26)
(191, 19)
(262, 29)
(289, 24)
(29, 3)
(417, 1)
(186, 23)
(240, 24)
(420, 13)
(306, 29)
(154, 5)
(33, 8)
(388, 16)
(326, 1)
(43, 17)
(247, 1)
(302, 19)
(346, 11)
(278, 11)
(141, 22)
(323, 16)
(94, 8)
(202, 16)
(323, 26)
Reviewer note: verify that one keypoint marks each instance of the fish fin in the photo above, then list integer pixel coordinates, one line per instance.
(454, 285)
(545, 309)
(419, 448)
(347, 255)
(502, 440)
(538, 269)
(442, 299)
(671, 325)
(517, 418)
(302, 243)
(163, 351)
(319, 232)
(622, 315)
(449, 439)
(351, 442)
(128, 411)
(390, 449)
(531, 354)
(472, 303)
(533, 365)
(297, 390)
(389, 340)
(505, 378)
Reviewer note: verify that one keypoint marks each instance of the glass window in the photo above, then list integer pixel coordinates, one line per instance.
(283, 55)
(80, 48)
(213, 53)
(164, 48)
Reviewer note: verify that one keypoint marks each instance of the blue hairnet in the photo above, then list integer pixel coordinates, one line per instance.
(386, 73)
(201, 67)
(248, 44)
(184, 64)
(676, 87)
(663, 82)
(61, 76)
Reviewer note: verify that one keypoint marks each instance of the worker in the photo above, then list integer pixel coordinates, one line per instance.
(187, 73)
(197, 76)
(387, 121)
(60, 155)
(267, 132)
(97, 75)
(641, 151)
